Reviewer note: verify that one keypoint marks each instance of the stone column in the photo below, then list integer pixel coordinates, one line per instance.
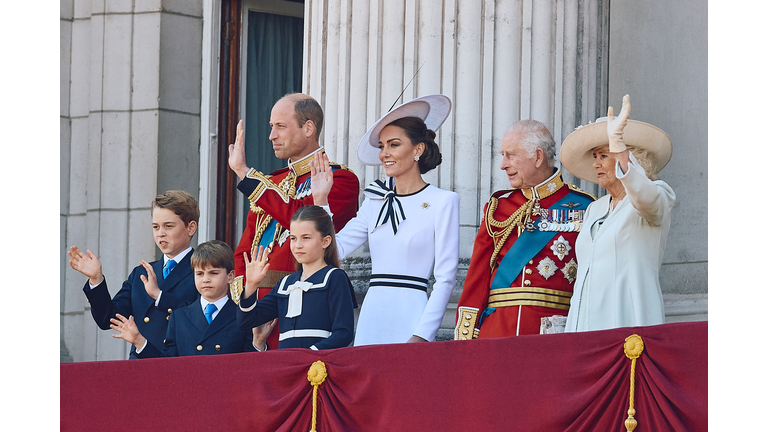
(498, 61)
(130, 128)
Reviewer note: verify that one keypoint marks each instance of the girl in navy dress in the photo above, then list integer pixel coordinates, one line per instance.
(314, 306)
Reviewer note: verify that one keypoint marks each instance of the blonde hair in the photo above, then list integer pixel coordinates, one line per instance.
(643, 158)
(645, 161)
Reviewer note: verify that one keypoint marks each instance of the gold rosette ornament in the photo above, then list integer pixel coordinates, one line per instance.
(633, 347)
(316, 376)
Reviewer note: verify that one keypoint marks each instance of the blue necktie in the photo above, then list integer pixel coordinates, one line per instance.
(168, 267)
(209, 310)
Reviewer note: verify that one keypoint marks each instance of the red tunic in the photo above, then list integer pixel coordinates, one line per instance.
(274, 199)
(544, 284)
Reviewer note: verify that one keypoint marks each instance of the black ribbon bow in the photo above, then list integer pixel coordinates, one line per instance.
(392, 210)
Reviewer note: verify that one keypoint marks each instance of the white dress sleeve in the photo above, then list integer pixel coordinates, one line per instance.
(355, 232)
(446, 261)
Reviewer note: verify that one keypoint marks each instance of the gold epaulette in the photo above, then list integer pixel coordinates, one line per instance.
(577, 189)
(342, 166)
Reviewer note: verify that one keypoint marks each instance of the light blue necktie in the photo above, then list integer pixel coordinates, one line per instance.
(168, 267)
(209, 310)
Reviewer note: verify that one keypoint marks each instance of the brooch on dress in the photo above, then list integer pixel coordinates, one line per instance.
(425, 205)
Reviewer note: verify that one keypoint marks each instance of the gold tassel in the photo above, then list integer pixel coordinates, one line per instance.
(316, 376)
(633, 347)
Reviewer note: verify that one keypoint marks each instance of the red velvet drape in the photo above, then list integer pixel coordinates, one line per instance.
(561, 382)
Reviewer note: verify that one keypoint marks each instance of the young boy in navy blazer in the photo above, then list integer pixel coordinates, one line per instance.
(152, 290)
(207, 326)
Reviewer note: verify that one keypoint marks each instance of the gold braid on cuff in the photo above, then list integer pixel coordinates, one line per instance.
(466, 325)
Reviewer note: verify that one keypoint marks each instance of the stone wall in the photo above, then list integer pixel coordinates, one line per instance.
(130, 129)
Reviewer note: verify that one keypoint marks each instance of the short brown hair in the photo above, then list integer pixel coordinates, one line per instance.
(181, 203)
(214, 253)
(305, 108)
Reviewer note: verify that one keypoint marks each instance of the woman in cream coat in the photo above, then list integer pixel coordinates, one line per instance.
(620, 247)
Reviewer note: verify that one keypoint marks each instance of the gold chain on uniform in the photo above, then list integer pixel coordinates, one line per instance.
(517, 219)
(287, 185)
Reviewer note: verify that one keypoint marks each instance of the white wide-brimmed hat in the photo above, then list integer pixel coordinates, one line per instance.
(433, 109)
(576, 151)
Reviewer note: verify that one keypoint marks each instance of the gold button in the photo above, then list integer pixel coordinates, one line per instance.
(530, 262)
(218, 347)
(528, 271)
(146, 319)
(199, 347)
(467, 316)
(163, 340)
(527, 283)
(168, 318)
(169, 310)
(465, 331)
(466, 324)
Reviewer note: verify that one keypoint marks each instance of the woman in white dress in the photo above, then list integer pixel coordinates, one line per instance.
(620, 247)
(412, 227)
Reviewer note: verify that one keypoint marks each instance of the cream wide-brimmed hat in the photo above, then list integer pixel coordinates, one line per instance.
(576, 151)
(433, 109)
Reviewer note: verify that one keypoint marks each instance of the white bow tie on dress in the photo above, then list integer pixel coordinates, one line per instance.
(295, 295)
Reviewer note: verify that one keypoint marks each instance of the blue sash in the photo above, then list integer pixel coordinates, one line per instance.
(269, 234)
(525, 247)
(528, 245)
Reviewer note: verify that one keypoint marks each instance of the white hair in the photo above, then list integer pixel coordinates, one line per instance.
(536, 135)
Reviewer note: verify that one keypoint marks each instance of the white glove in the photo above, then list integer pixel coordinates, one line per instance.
(616, 127)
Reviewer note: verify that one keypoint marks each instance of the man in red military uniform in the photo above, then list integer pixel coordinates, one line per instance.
(523, 263)
(296, 122)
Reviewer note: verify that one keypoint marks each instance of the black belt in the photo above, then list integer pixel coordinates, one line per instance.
(399, 281)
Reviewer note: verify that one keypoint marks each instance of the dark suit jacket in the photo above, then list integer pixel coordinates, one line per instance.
(190, 334)
(132, 299)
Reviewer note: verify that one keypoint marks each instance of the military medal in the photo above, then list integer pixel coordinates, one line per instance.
(547, 267)
(569, 270)
(561, 247)
(561, 220)
(283, 237)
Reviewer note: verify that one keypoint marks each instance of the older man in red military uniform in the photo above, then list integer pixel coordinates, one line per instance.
(523, 264)
(296, 122)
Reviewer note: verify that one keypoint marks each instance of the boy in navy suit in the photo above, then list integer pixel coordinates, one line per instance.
(152, 290)
(207, 326)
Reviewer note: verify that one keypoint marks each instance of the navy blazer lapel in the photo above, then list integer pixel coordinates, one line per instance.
(157, 266)
(225, 316)
(182, 270)
(196, 317)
